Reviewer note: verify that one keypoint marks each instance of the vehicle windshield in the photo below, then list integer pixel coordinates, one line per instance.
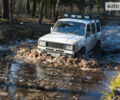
(70, 27)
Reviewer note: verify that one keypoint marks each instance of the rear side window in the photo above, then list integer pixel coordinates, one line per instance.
(93, 28)
(88, 30)
(98, 27)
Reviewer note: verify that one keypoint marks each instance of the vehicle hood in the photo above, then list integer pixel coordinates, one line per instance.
(64, 38)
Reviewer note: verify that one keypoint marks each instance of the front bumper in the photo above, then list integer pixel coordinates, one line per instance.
(55, 52)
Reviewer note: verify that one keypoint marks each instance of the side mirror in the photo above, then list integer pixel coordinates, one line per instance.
(51, 29)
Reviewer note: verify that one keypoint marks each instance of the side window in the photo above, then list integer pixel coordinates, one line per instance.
(93, 28)
(88, 30)
(98, 27)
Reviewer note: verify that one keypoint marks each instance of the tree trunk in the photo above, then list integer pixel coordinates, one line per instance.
(20, 5)
(6, 9)
(71, 6)
(11, 12)
(28, 7)
(50, 8)
(34, 8)
(57, 10)
(45, 10)
(53, 16)
(41, 11)
(81, 7)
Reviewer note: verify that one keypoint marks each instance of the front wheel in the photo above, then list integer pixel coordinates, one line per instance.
(82, 51)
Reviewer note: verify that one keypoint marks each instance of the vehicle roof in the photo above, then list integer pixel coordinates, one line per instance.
(85, 21)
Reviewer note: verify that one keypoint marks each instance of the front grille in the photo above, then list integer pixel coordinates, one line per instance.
(55, 45)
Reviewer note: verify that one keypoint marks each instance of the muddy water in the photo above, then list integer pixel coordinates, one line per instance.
(29, 82)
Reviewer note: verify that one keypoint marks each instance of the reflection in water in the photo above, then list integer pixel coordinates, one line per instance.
(27, 82)
(11, 77)
(40, 73)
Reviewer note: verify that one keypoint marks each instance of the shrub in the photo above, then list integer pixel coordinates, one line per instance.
(114, 84)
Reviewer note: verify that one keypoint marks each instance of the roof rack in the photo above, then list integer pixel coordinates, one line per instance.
(77, 16)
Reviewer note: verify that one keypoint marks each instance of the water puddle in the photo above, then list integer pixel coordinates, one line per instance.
(29, 82)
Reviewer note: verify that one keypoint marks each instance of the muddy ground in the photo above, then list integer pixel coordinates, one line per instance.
(22, 29)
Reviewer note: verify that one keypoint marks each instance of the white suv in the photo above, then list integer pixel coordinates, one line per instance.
(70, 36)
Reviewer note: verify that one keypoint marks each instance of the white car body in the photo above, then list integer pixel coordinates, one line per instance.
(55, 42)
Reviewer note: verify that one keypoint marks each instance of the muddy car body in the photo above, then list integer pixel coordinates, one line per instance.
(69, 36)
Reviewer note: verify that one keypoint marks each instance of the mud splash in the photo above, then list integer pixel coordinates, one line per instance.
(30, 55)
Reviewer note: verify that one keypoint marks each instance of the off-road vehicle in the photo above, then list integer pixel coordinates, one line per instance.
(71, 35)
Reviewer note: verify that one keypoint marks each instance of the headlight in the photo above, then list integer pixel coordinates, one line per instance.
(69, 47)
(42, 43)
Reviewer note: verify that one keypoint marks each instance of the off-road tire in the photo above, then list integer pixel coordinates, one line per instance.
(98, 45)
(82, 51)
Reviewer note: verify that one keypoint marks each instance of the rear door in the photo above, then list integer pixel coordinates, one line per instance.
(90, 36)
(93, 35)
(98, 27)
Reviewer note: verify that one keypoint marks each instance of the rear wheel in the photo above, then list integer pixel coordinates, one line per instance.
(82, 51)
(98, 45)
(98, 49)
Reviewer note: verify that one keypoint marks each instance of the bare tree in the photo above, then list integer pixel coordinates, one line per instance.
(34, 8)
(50, 8)
(11, 12)
(41, 11)
(6, 9)
(45, 9)
(28, 7)
(20, 6)
(57, 9)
